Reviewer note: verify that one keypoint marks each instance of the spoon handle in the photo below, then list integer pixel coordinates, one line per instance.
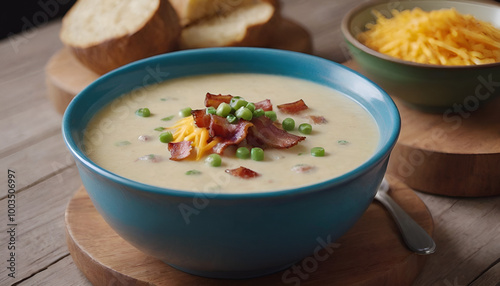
(415, 237)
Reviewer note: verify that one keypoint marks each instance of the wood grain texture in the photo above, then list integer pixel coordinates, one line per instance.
(371, 253)
(453, 154)
(66, 76)
(40, 242)
(490, 277)
(62, 84)
(55, 158)
(52, 275)
(466, 229)
(466, 232)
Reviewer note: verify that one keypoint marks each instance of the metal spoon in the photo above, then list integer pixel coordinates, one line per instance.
(415, 237)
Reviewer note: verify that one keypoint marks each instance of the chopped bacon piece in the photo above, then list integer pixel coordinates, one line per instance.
(293, 107)
(201, 118)
(264, 104)
(242, 172)
(215, 99)
(318, 119)
(265, 134)
(180, 150)
(231, 134)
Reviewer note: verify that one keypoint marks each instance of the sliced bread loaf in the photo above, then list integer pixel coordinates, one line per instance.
(251, 24)
(106, 34)
(190, 11)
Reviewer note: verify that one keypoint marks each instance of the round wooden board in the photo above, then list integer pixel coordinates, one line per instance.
(66, 76)
(449, 155)
(452, 154)
(371, 253)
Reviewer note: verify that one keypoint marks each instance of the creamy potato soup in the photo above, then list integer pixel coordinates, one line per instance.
(127, 142)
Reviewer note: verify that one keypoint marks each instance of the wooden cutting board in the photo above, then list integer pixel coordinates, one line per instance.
(371, 253)
(66, 76)
(448, 154)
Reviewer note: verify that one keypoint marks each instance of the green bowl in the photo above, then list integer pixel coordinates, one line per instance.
(426, 87)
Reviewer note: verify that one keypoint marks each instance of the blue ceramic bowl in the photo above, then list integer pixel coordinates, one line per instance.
(231, 235)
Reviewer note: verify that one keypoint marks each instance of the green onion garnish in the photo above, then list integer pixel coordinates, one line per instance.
(223, 110)
(243, 153)
(122, 143)
(166, 137)
(185, 112)
(318, 151)
(288, 124)
(257, 154)
(214, 160)
(193, 172)
(305, 128)
(167, 118)
(271, 115)
(143, 112)
(244, 113)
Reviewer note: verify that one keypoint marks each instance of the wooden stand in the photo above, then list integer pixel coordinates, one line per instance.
(449, 155)
(66, 76)
(371, 253)
(452, 154)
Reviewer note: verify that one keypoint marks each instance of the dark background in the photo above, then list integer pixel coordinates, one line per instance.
(17, 16)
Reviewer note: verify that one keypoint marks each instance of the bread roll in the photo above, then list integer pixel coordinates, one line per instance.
(251, 24)
(106, 34)
(190, 11)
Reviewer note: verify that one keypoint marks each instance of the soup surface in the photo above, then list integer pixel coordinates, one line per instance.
(128, 145)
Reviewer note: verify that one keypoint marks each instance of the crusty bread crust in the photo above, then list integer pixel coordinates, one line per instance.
(158, 35)
(261, 35)
(257, 35)
(191, 11)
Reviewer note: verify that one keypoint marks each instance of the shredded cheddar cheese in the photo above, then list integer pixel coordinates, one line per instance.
(186, 130)
(442, 37)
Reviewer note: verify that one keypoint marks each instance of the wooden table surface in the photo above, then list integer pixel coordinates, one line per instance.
(467, 231)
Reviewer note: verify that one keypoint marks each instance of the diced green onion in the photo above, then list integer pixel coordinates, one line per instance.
(257, 154)
(214, 160)
(250, 106)
(185, 112)
(305, 128)
(167, 118)
(258, 112)
(122, 143)
(193, 172)
(166, 137)
(159, 128)
(288, 124)
(318, 151)
(231, 118)
(244, 113)
(143, 112)
(237, 102)
(223, 110)
(243, 153)
(271, 115)
(343, 142)
(211, 110)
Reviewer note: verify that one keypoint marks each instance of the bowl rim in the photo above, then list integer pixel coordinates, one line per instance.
(346, 31)
(378, 156)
